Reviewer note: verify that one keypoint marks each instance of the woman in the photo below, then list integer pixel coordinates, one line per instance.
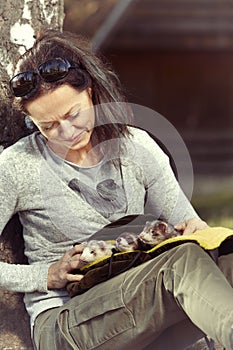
(83, 169)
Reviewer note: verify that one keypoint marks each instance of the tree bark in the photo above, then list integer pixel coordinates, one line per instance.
(19, 21)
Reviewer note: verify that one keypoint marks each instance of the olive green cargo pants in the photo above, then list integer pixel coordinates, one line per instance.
(166, 303)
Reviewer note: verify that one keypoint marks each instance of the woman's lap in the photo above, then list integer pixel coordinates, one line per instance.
(134, 309)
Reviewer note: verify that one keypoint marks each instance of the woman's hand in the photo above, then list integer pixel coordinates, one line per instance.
(190, 226)
(59, 273)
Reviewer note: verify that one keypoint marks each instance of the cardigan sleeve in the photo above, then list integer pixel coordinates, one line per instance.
(23, 278)
(15, 277)
(174, 205)
(164, 194)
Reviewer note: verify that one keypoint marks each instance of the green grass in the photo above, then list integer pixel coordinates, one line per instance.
(216, 209)
(223, 222)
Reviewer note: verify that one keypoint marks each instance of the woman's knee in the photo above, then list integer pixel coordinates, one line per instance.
(186, 260)
(191, 247)
(189, 251)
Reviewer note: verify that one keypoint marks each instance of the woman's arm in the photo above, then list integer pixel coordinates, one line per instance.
(165, 198)
(37, 276)
(15, 277)
(41, 277)
(23, 278)
(165, 194)
(176, 207)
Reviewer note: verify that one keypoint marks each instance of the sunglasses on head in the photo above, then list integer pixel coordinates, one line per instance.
(50, 71)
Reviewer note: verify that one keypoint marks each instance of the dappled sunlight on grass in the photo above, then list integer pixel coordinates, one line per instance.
(223, 222)
(214, 201)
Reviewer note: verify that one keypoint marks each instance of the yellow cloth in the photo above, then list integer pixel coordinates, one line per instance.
(210, 238)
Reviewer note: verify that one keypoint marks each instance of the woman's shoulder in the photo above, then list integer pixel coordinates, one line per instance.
(21, 150)
(147, 147)
(145, 139)
(137, 133)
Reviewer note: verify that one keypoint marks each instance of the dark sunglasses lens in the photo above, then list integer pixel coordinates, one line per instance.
(22, 83)
(53, 70)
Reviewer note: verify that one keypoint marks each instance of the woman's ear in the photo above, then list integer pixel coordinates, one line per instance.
(29, 123)
(89, 91)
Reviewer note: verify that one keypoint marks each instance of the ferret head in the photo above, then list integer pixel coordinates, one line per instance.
(94, 250)
(154, 232)
(127, 241)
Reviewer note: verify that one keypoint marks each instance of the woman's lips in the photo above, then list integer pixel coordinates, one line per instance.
(75, 138)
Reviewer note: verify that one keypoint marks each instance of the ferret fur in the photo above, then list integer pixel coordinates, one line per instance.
(127, 241)
(94, 250)
(153, 233)
(157, 231)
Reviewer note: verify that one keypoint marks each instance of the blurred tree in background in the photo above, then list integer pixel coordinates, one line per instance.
(20, 20)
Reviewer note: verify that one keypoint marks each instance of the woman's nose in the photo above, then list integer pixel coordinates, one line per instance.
(66, 129)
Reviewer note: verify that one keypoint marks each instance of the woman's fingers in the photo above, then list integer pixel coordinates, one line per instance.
(76, 250)
(59, 273)
(192, 225)
(72, 257)
(181, 226)
(74, 277)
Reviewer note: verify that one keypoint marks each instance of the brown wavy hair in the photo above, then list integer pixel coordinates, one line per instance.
(112, 113)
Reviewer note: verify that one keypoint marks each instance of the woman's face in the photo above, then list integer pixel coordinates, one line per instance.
(65, 117)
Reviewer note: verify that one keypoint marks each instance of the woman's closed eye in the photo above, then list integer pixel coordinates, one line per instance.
(74, 116)
(47, 127)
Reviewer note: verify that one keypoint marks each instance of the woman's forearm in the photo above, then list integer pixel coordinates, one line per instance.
(23, 278)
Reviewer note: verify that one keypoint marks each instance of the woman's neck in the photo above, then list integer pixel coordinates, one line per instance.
(87, 156)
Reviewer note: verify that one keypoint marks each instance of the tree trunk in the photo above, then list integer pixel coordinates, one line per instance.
(19, 21)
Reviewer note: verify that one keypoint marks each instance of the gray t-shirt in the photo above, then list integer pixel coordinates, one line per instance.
(100, 185)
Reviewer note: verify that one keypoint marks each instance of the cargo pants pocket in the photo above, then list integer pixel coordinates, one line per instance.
(101, 322)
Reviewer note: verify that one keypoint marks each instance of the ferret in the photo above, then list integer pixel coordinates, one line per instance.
(94, 250)
(127, 241)
(157, 231)
(153, 233)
